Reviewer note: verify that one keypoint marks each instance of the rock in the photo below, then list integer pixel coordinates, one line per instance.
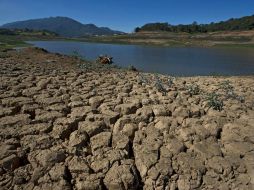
(110, 117)
(120, 141)
(234, 137)
(129, 130)
(89, 182)
(181, 112)
(48, 116)
(96, 101)
(29, 92)
(160, 110)
(78, 165)
(121, 177)
(174, 145)
(58, 172)
(191, 170)
(249, 162)
(76, 104)
(186, 134)
(201, 131)
(219, 165)
(63, 127)
(7, 150)
(183, 183)
(207, 148)
(163, 123)
(100, 165)
(42, 84)
(63, 131)
(80, 112)
(35, 129)
(78, 139)
(58, 185)
(7, 111)
(46, 158)
(145, 113)
(92, 128)
(101, 140)
(146, 154)
(49, 101)
(17, 120)
(126, 109)
(10, 163)
(62, 108)
(91, 117)
(120, 123)
(146, 101)
(196, 111)
(213, 129)
(37, 142)
(17, 101)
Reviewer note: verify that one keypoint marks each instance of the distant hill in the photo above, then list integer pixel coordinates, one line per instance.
(63, 26)
(233, 24)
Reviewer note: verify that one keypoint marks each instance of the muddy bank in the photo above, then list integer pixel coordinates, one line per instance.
(66, 124)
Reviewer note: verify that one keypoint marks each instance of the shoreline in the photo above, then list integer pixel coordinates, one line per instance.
(68, 124)
(149, 39)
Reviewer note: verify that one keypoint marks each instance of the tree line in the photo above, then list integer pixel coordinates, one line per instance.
(4, 31)
(244, 23)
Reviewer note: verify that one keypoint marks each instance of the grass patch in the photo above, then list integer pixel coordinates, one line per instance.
(10, 41)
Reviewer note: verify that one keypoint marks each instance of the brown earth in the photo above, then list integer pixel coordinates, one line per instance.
(160, 38)
(103, 128)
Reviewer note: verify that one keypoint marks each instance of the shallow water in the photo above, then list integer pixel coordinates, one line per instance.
(178, 61)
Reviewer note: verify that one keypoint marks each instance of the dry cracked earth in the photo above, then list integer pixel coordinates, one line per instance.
(101, 128)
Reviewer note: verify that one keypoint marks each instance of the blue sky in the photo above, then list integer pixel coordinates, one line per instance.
(126, 15)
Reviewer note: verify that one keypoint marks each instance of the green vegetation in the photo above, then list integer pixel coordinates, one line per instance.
(159, 86)
(229, 92)
(244, 23)
(214, 101)
(28, 32)
(10, 41)
(193, 89)
(16, 38)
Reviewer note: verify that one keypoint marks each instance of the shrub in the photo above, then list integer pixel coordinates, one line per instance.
(159, 86)
(170, 82)
(193, 89)
(229, 91)
(214, 101)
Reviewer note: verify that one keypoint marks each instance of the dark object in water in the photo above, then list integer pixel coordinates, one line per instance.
(132, 68)
(104, 59)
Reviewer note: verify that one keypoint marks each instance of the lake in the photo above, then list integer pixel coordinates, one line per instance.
(177, 61)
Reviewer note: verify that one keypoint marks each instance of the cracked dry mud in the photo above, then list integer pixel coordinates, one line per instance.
(101, 128)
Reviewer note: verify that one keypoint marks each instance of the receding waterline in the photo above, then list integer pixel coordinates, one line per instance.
(178, 61)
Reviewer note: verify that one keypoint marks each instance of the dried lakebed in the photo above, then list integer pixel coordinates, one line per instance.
(104, 128)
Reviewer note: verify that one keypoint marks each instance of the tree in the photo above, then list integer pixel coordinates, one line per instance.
(137, 29)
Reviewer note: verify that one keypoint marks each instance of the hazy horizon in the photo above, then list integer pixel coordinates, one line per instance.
(125, 16)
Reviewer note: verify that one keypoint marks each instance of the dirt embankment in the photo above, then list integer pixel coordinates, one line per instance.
(103, 128)
(221, 38)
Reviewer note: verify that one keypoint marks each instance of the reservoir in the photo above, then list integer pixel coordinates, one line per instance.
(176, 61)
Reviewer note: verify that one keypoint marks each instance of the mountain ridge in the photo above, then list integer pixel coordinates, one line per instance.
(64, 26)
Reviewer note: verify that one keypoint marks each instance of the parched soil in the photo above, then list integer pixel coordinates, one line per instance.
(160, 38)
(66, 124)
